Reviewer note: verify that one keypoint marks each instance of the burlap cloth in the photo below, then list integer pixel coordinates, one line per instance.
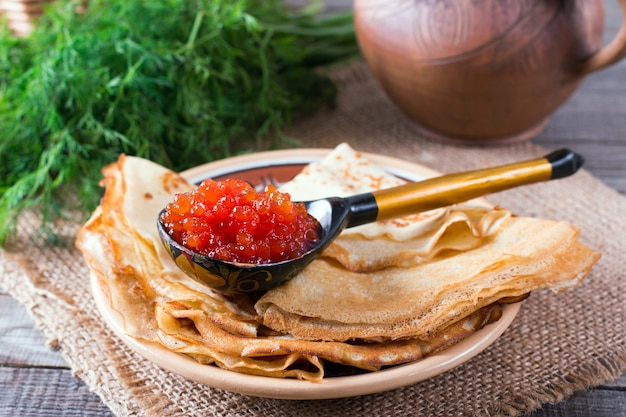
(556, 345)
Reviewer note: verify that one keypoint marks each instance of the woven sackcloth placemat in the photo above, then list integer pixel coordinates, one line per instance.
(556, 345)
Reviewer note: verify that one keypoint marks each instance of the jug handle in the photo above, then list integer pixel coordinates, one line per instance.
(610, 53)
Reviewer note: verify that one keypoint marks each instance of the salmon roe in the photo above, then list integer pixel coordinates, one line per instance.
(231, 221)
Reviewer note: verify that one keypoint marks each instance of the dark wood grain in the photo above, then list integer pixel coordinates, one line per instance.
(596, 403)
(22, 344)
(38, 391)
(35, 380)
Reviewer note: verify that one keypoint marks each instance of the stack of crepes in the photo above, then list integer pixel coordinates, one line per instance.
(381, 294)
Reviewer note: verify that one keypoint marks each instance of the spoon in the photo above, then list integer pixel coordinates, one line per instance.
(336, 214)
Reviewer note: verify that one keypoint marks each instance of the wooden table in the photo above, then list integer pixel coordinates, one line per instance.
(35, 380)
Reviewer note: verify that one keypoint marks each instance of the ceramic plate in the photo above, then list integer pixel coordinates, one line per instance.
(279, 166)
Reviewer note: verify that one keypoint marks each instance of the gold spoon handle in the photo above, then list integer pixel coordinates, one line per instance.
(455, 188)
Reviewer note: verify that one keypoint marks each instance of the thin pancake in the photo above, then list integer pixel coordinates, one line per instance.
(327, 301)
(461, 228)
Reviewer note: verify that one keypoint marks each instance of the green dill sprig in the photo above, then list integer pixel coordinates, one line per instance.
(179, 82)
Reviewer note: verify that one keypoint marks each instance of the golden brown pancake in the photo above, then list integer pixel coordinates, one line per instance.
(328, 301)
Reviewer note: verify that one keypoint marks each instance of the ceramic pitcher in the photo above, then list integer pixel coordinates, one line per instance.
(483, 71)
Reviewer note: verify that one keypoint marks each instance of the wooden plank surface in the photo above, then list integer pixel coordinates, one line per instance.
(36, 381)
(46, 392)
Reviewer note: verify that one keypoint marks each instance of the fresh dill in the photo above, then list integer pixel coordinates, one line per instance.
(180, 82)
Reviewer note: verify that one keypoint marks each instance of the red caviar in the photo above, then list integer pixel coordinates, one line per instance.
(231, 221)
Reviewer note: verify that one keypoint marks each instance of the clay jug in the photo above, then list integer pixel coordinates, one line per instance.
(483, 71)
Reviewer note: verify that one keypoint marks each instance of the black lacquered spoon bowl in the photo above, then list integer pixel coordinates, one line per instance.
(338, 213)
